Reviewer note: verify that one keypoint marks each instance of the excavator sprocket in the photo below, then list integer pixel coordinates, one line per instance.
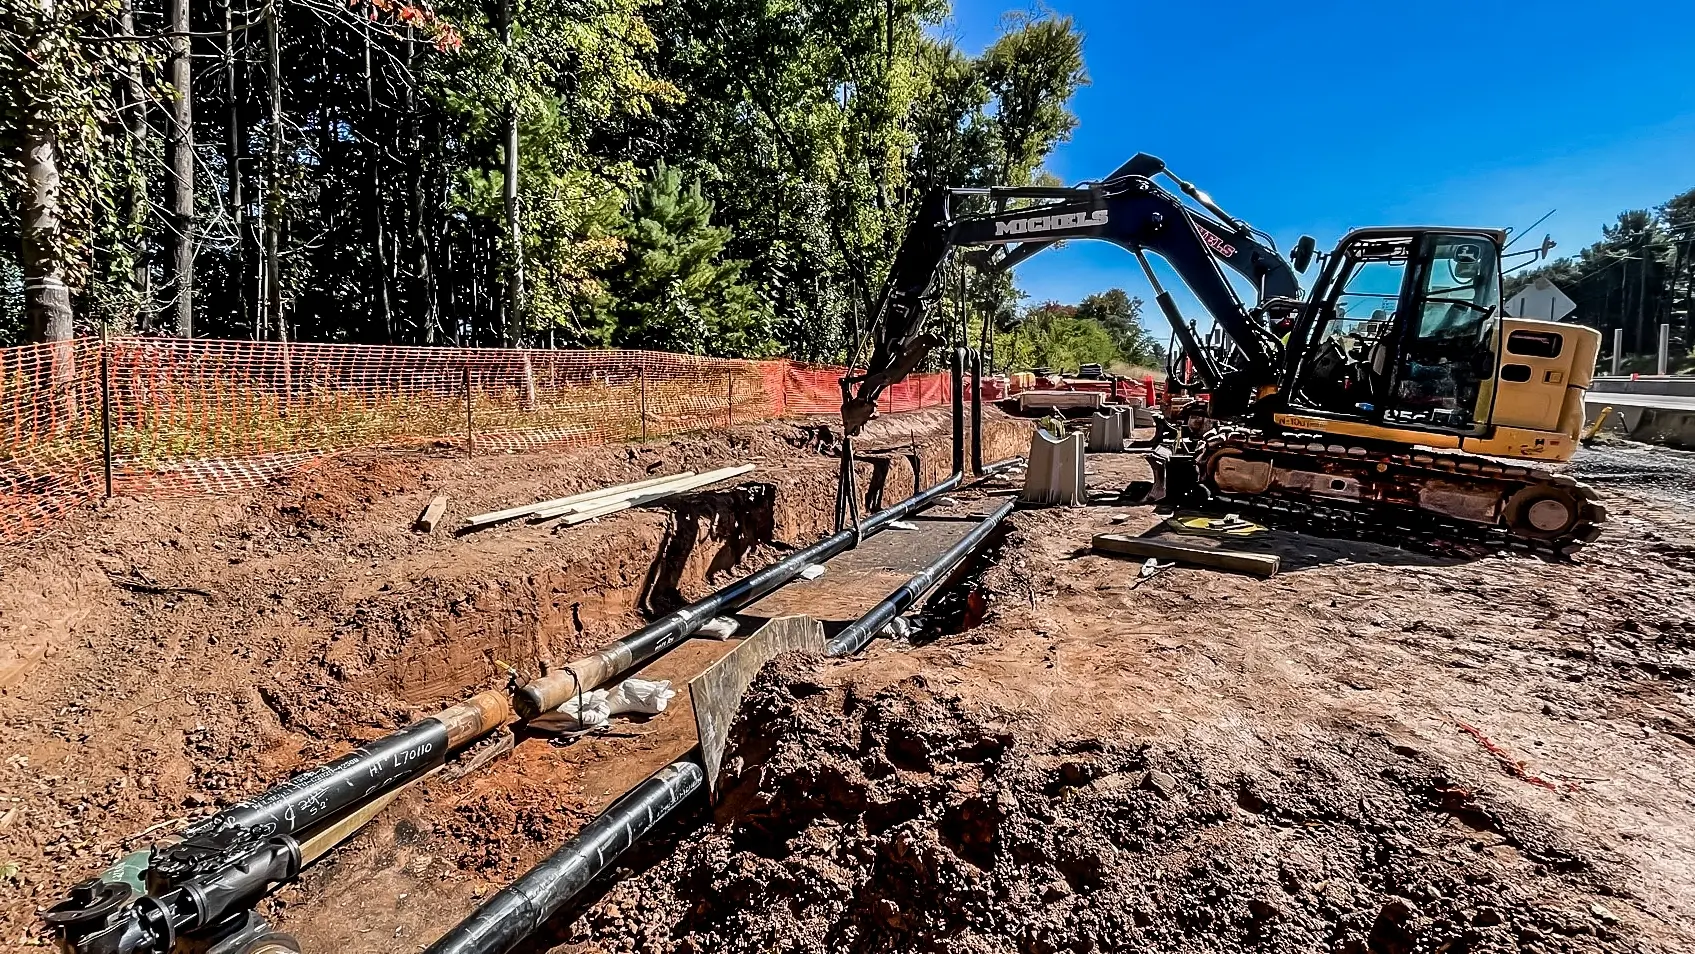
(1413, 494)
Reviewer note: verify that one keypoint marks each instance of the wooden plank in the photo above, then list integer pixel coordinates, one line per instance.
(716, 694)
(607, 507)
(432, 514)
(1257, 564)
(683, 483)
(501, 516)
(602, 500)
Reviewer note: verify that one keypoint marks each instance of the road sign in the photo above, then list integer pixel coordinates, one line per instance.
(1543, 300)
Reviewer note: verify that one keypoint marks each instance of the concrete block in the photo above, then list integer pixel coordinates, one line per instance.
(1106, 431)
(1055, 471)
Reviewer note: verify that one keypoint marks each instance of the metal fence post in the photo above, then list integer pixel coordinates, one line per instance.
(1618, 351)
(470, 435)
(641, 378)
(1664, 362)
(730, 409)
(106, 409)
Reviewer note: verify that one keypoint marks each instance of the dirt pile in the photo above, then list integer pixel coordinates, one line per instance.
(911, 820)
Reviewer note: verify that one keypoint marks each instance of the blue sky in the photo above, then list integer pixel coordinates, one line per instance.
(1318, 116)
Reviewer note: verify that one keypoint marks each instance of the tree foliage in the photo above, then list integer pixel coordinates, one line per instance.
(720, 176)
(1639, 275)
(673, 289)
(1104, 329)
(1121, 316)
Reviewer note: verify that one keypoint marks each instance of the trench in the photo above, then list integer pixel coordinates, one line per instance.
(962, 602)
(530, 609)
(442, 849)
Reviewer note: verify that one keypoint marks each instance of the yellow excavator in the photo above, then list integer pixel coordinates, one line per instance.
(1395, 396)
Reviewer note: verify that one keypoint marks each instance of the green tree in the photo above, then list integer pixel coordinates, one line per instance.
(1120, 315)
(1052, 335)
(1031, 72)
(673, 289)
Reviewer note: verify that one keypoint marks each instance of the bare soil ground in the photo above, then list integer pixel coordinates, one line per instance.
(162, 659)
(1374, 751)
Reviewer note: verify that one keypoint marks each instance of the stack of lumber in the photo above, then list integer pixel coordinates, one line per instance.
(590, 505)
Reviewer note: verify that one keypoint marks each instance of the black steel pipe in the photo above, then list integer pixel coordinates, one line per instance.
(334, 787)
(520, 909)
(861, 631)
(958, 368)
(556, 688)
(999, 468)
(515, 913)
(229, 861)
(977, 412)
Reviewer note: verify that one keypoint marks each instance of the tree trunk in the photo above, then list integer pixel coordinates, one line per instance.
(232, 165)
(180, 182)
(430, 315)
(135, 187)
(515, 231)
(273, 182)
(47, 299)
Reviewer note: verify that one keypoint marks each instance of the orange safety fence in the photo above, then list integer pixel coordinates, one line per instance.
(194, 416)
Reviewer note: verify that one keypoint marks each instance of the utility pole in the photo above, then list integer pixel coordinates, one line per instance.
(515, 231)
(179, 146)
(1642, 313)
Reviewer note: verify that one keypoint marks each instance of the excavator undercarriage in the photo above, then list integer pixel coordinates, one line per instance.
(1412, 494)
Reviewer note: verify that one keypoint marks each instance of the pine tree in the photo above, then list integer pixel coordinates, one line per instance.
(673, 290)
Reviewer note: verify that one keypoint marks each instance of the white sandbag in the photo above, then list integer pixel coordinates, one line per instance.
(722, 627)
(579, 712)
(813, 571)
(645, 696)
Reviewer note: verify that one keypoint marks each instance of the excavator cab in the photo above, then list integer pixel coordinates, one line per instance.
(1402, 331)
(1404, 339)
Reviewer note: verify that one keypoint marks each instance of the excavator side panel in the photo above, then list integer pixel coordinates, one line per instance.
(1541, 363)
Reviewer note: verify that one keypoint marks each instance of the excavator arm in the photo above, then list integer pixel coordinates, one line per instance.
(1128, 210)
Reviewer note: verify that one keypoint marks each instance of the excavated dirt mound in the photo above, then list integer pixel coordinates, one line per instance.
(911, 820)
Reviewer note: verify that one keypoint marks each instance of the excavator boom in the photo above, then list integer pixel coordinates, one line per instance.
(1128, 210)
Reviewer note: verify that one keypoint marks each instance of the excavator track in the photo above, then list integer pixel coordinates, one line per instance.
(1431, 497)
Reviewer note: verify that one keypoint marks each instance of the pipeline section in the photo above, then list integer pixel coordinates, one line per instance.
(977, 412)
(518, 910)
(556, 688)
(208, 881)
(522, 907)
(861, 631)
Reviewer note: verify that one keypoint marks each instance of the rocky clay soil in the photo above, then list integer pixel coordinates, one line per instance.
(160, 659)
(1374, 751)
